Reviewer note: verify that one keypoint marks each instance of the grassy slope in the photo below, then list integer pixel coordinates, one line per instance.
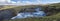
(47, 18)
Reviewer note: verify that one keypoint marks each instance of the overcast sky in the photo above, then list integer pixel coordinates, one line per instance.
(27, 2)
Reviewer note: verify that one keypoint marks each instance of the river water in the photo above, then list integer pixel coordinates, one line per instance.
(38, 13)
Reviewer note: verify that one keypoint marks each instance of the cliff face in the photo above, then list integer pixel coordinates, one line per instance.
(7, 14)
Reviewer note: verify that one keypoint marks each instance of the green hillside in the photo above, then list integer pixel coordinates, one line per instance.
(54, 16)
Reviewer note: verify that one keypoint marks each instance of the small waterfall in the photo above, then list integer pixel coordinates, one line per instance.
(38, 9)
(38, 13)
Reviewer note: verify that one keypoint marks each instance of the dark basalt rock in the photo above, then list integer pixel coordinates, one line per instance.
(51, 11)
(28, 10)
(6, 14)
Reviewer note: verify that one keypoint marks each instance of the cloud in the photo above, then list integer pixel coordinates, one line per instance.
(2, 0)
(49, 1)
(28, 2)
(21, 2)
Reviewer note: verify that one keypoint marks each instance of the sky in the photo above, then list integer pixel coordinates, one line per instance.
(49, 1)
(28, 2)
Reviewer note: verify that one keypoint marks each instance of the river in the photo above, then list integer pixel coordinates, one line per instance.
(38, 13)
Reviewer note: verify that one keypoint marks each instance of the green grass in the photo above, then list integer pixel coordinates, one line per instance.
(47, 18)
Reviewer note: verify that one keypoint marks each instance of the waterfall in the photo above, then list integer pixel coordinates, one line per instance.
(38, 13)
(37, 9)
